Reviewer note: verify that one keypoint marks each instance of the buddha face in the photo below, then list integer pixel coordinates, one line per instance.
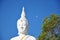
(21, 25)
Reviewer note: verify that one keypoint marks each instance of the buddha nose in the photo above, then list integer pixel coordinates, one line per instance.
(21, 27)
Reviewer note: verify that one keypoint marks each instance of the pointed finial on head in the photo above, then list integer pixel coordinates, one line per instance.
(23, 7)
(23, 12)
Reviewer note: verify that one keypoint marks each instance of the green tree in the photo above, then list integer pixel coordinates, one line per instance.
(49, 23)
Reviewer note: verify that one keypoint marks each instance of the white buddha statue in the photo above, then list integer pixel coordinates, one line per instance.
(22, 26)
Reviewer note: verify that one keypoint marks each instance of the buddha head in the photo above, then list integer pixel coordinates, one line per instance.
(22, 24)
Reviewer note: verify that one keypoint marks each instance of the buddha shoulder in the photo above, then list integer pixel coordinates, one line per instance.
(31, 38)
(15, 38)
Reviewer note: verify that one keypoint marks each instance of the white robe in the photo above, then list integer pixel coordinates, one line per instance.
(28, 37)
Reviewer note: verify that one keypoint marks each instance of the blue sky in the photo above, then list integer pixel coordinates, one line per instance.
(36, 10)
